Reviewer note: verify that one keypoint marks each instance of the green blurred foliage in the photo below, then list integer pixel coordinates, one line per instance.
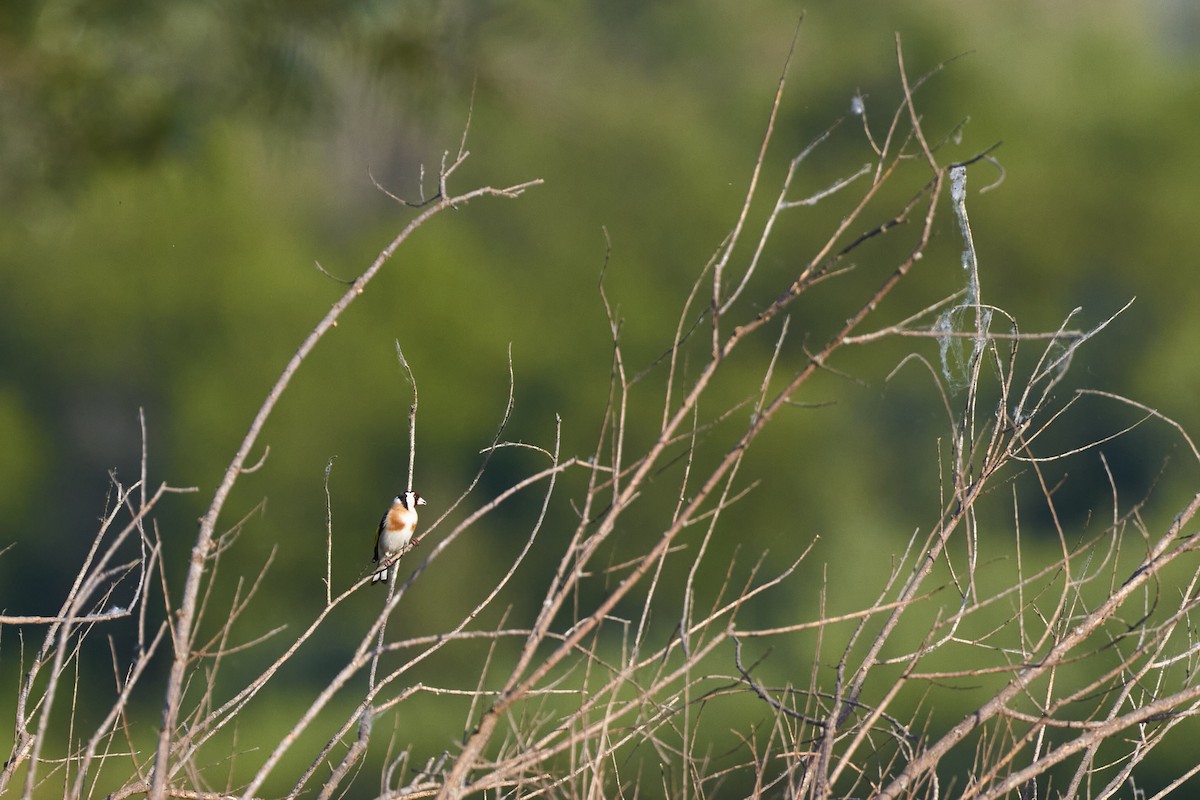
(173, 172)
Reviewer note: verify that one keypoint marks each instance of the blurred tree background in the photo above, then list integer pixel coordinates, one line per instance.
(172, 173)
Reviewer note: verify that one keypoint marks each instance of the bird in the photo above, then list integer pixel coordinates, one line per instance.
(396, 530)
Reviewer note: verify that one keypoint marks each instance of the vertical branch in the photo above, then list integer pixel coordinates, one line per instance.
(412, 413)
(394, 570)
(617, 380)
(328, 535)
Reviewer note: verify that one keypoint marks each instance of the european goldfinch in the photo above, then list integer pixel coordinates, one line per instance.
(396, 530)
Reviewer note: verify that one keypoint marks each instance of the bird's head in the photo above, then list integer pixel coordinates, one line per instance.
(410, 500)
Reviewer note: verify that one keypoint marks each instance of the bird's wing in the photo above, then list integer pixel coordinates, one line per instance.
(379, 534)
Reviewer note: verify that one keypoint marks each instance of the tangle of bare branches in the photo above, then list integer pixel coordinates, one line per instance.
(1080, 658)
